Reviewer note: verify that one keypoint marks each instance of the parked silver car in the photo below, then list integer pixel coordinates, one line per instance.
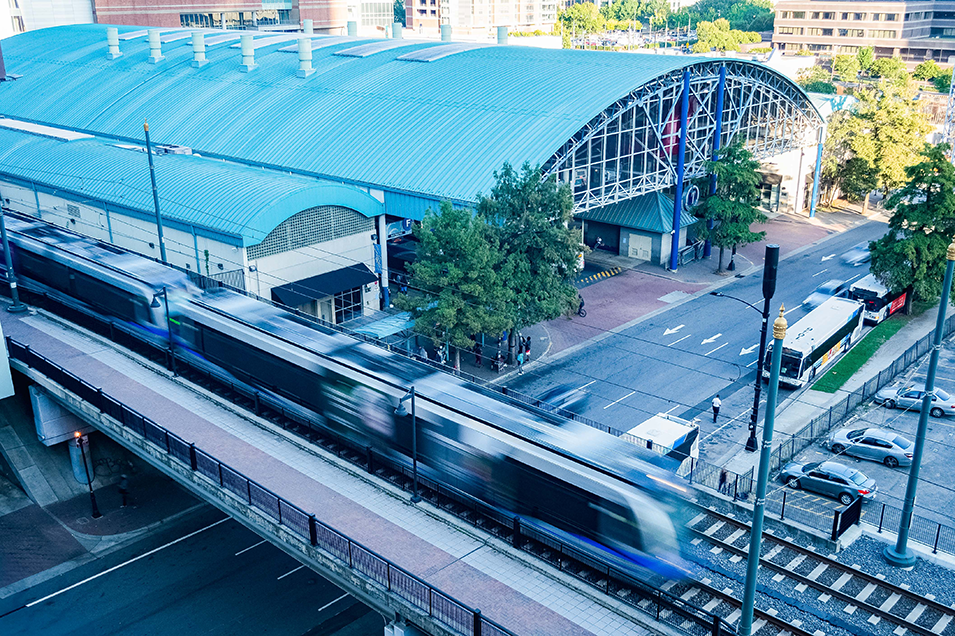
(858, 255)
(876, 444)
(910, 397)
(831, 479)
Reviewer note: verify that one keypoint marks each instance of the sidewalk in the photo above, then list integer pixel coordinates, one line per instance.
(797, 411)
(37, 543)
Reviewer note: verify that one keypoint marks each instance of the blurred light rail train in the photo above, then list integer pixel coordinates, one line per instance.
(599, 494)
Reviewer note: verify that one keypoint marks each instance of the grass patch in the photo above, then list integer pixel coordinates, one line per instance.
(860, 354)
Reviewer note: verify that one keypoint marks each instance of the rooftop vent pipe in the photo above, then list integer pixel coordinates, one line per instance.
(445, 32)
(352, 27)
(305, 57)
(155, 47)
(248, 53)
(198, 49)
(502, 35)
(397, 29)
(112, 41)
(3, 69)
(307, 27)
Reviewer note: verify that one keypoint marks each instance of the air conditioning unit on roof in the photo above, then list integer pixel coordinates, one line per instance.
(172, 149)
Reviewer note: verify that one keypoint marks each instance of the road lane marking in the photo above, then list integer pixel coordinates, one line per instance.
(290, 572)
(327, 605)
(250, 547)
(748, 350)
(667, 332)
(717, 349)
(121, 565)
(752, 363)
(711, 340)
(680, 340)
(725, 425)
(620, 400)
(673, 409)
(792, 310)
(822, 272)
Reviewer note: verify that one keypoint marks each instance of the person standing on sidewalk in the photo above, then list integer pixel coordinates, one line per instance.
(520, 360)
(478, 361)
(123, 489)
(527, 349)
(717, 403)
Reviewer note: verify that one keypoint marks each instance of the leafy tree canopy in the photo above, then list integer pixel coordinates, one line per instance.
(457, 269)
(815, 79)
(531, 219)
(733, 208)
(583, 18)
(912, 253)
(927, 70)
(888, 68)
(743, 15)
(943, 83)
(866, 57)
(718, 35)
(846, 67)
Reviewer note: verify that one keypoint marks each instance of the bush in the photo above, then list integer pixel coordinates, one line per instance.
(943, 83)
(804, 52)
(761, 49)
(820, 87)
(927, 70)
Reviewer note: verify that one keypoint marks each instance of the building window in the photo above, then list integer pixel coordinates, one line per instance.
(845, 16)
(891, 17)
(814, 31)
(789, 30)
(799, 15)
(858, 16)
(820, 47)
(823, 15)
(347, 305)
(882, 34)
(851, 33)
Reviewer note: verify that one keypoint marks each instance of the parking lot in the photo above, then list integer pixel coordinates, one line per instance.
(936, 491)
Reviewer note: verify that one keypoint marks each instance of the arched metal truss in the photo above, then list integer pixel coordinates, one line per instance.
(631, 147)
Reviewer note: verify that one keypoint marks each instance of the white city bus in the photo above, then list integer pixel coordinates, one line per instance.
(816, 340)
(879, 303)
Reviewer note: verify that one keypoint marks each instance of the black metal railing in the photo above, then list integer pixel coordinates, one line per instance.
(939, 537)
(393, 578)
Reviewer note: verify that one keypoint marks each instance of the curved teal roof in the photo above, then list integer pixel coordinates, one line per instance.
(237, 203)
(435, 128)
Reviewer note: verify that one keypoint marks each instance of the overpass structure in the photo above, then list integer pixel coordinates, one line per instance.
(411, 563)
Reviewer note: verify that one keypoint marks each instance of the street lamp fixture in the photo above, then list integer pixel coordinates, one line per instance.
(401, 411)
(89, 482)
(156, 305)
(770, 267)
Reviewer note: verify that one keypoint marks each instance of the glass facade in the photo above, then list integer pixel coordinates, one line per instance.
(235, 19)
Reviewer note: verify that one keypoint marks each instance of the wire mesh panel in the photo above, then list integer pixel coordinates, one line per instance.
(492, 629)
(293, 518)
(207, 466)
(946, 539)
(155, 434)
(112, 408)
(370, 564)
(452, 613)
(331, 541)
(179, 449)
(264, 500)
(235, 483)
(411, 589)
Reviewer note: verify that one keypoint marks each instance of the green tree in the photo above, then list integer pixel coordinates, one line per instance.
(531, 219)
(718, 35)
(743, 15)
(911, 256)
(582, 18)
(846, 67)
(457, 270)
(733, 208)
(888, 68)
(399, 7)
(815, 79)
(859, 177)
(943, 83)
(866, 56)
(927, 70)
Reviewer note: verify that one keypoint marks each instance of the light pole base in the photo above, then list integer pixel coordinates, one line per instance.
(415, 499)
(892, 557)
(751, 444)
(19, 308)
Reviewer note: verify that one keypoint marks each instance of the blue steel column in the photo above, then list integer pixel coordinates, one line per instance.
(681, 156)
(720, 88)
(818, 172)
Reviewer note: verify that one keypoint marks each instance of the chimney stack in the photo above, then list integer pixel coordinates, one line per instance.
(502, 35)
(397, 30)
(155, 47)
(307, 27)
(445, 32)
(352, 27)
(112, 41)
(198, 49)
(248, 53)
(305, 57)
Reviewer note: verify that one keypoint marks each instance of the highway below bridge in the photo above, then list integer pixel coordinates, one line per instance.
(677, 360)
(412, 563)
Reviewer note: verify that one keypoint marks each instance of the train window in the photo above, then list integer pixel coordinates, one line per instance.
(42, 270)
(116, 302)
(616, 523)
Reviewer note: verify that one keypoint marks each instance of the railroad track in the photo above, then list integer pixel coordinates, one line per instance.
(849, 592)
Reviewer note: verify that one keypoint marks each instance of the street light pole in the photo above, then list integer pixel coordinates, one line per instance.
(401, 411)
(17, 306)
(89, 482)
(770, 267)
(901, 556)
(756, 533)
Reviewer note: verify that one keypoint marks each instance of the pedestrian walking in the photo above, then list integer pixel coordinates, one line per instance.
(520, 361)
(422, 353)
(527, 349)
(722, 484)
(123, 489)
(717, 403)
(478, 362)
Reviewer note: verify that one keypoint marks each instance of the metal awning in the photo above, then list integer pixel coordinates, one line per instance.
(389, 326)
(322, 286)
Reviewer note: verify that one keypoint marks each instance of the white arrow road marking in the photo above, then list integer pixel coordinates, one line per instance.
(713, 339)
(674, 330)
(680, 340)
(748, 350)
(717, 349)
(826, 258)
(620, 400)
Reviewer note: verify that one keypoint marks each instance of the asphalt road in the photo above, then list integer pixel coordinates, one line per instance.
(678, 360)
(206, 575)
